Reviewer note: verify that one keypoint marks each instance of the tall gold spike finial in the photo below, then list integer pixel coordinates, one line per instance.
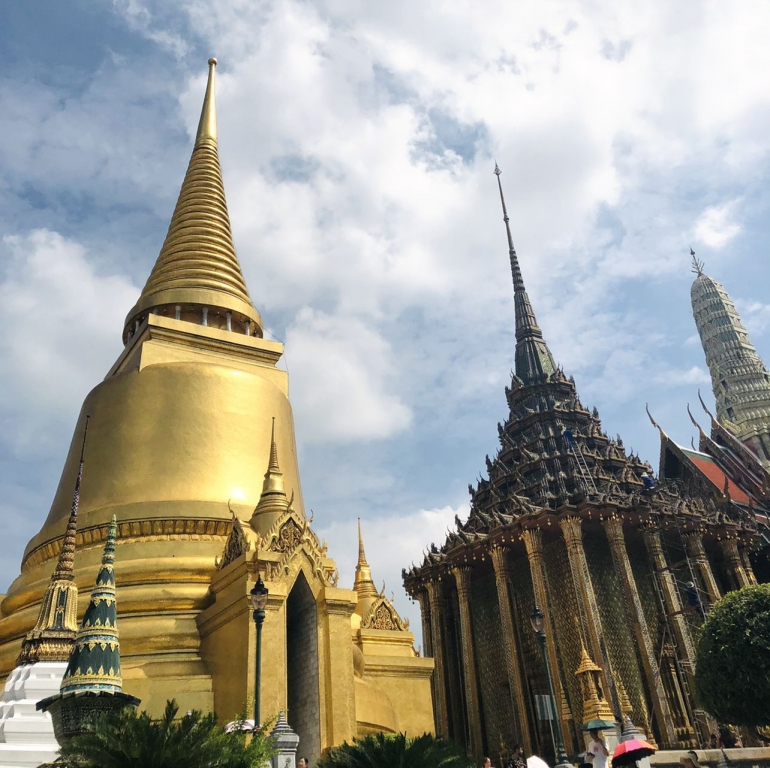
(273, 463)
(207, 126)
(361, 553)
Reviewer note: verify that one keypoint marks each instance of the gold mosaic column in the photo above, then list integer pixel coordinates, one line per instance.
(613, 527)
(572, 529)
(462, 576)
(439, 657)
(518, 703)
(734, 561)
(533, 541)
(672, 602)
(422, 599)
(693, 541)
(747, 565)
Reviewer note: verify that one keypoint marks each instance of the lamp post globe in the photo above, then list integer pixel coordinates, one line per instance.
(258, 600)
(537, 619)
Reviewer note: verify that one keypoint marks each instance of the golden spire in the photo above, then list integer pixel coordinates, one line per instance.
(273, 498)
(52, 637)
(197, 267)
(364, 584)
(595, 706)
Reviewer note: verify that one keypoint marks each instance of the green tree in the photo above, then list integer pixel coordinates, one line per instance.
(396, 751)
(732, 674)
(134, 740)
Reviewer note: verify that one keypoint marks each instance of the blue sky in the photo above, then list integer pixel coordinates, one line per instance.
(357, 146)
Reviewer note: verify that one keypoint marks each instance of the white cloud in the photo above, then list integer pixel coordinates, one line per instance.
(677, 377)
(345, 390)
(62, 326)
(755, 315)
(391, 543)
(716, 226)
(357, 143)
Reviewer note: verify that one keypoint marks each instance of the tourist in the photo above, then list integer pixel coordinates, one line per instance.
(726, 737)
(517, 759)
(303, 763)
(690, 760)
(598, 748)
(487, 763)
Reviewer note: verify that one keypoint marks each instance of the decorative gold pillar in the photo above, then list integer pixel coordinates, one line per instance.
(734, 561)
(672, 602)
(685, 649)
(533, 541)
(747, 566)
(462, 576)
(693, 542)
(684, 729)
(572, 530)
(422, 599)
(613, 527)
(433, 588)
(518, 703)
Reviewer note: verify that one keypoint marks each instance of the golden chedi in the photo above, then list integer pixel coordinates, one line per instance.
(181, 432)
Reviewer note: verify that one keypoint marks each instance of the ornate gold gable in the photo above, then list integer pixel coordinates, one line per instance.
(382, 615)
(289, 536)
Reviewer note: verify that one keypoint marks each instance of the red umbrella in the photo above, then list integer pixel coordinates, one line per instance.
(630, 751)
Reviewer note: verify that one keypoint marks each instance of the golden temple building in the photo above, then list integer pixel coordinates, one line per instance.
(191, 446)
(623, 566)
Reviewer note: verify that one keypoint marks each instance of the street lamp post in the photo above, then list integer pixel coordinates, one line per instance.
(258, 596)
(538, 625)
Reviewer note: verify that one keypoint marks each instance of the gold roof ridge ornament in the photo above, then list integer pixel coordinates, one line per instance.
(197, 273)
(54, 633)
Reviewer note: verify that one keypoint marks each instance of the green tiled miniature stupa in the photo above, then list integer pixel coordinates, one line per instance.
(94, 663)
(92, 685)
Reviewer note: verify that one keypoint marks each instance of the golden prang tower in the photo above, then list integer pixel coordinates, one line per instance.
(181, 431)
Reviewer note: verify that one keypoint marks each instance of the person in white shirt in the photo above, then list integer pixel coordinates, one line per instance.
(598, 748)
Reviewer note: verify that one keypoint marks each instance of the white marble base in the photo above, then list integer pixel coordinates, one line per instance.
(26, 735)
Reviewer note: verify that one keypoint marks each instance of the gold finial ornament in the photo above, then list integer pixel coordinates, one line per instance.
(364, 584)
(273, 501)
(207, 125)
(595, 706)
(197, 275)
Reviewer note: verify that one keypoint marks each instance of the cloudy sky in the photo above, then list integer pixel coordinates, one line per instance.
(357, 142)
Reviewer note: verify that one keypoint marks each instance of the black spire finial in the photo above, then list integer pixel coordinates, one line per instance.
(697, 264)
(534, 361)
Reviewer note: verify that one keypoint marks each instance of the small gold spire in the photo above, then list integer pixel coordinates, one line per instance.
(273, 500)
(52, 637)
(197, 267)
(364, 584)
(595, 706)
